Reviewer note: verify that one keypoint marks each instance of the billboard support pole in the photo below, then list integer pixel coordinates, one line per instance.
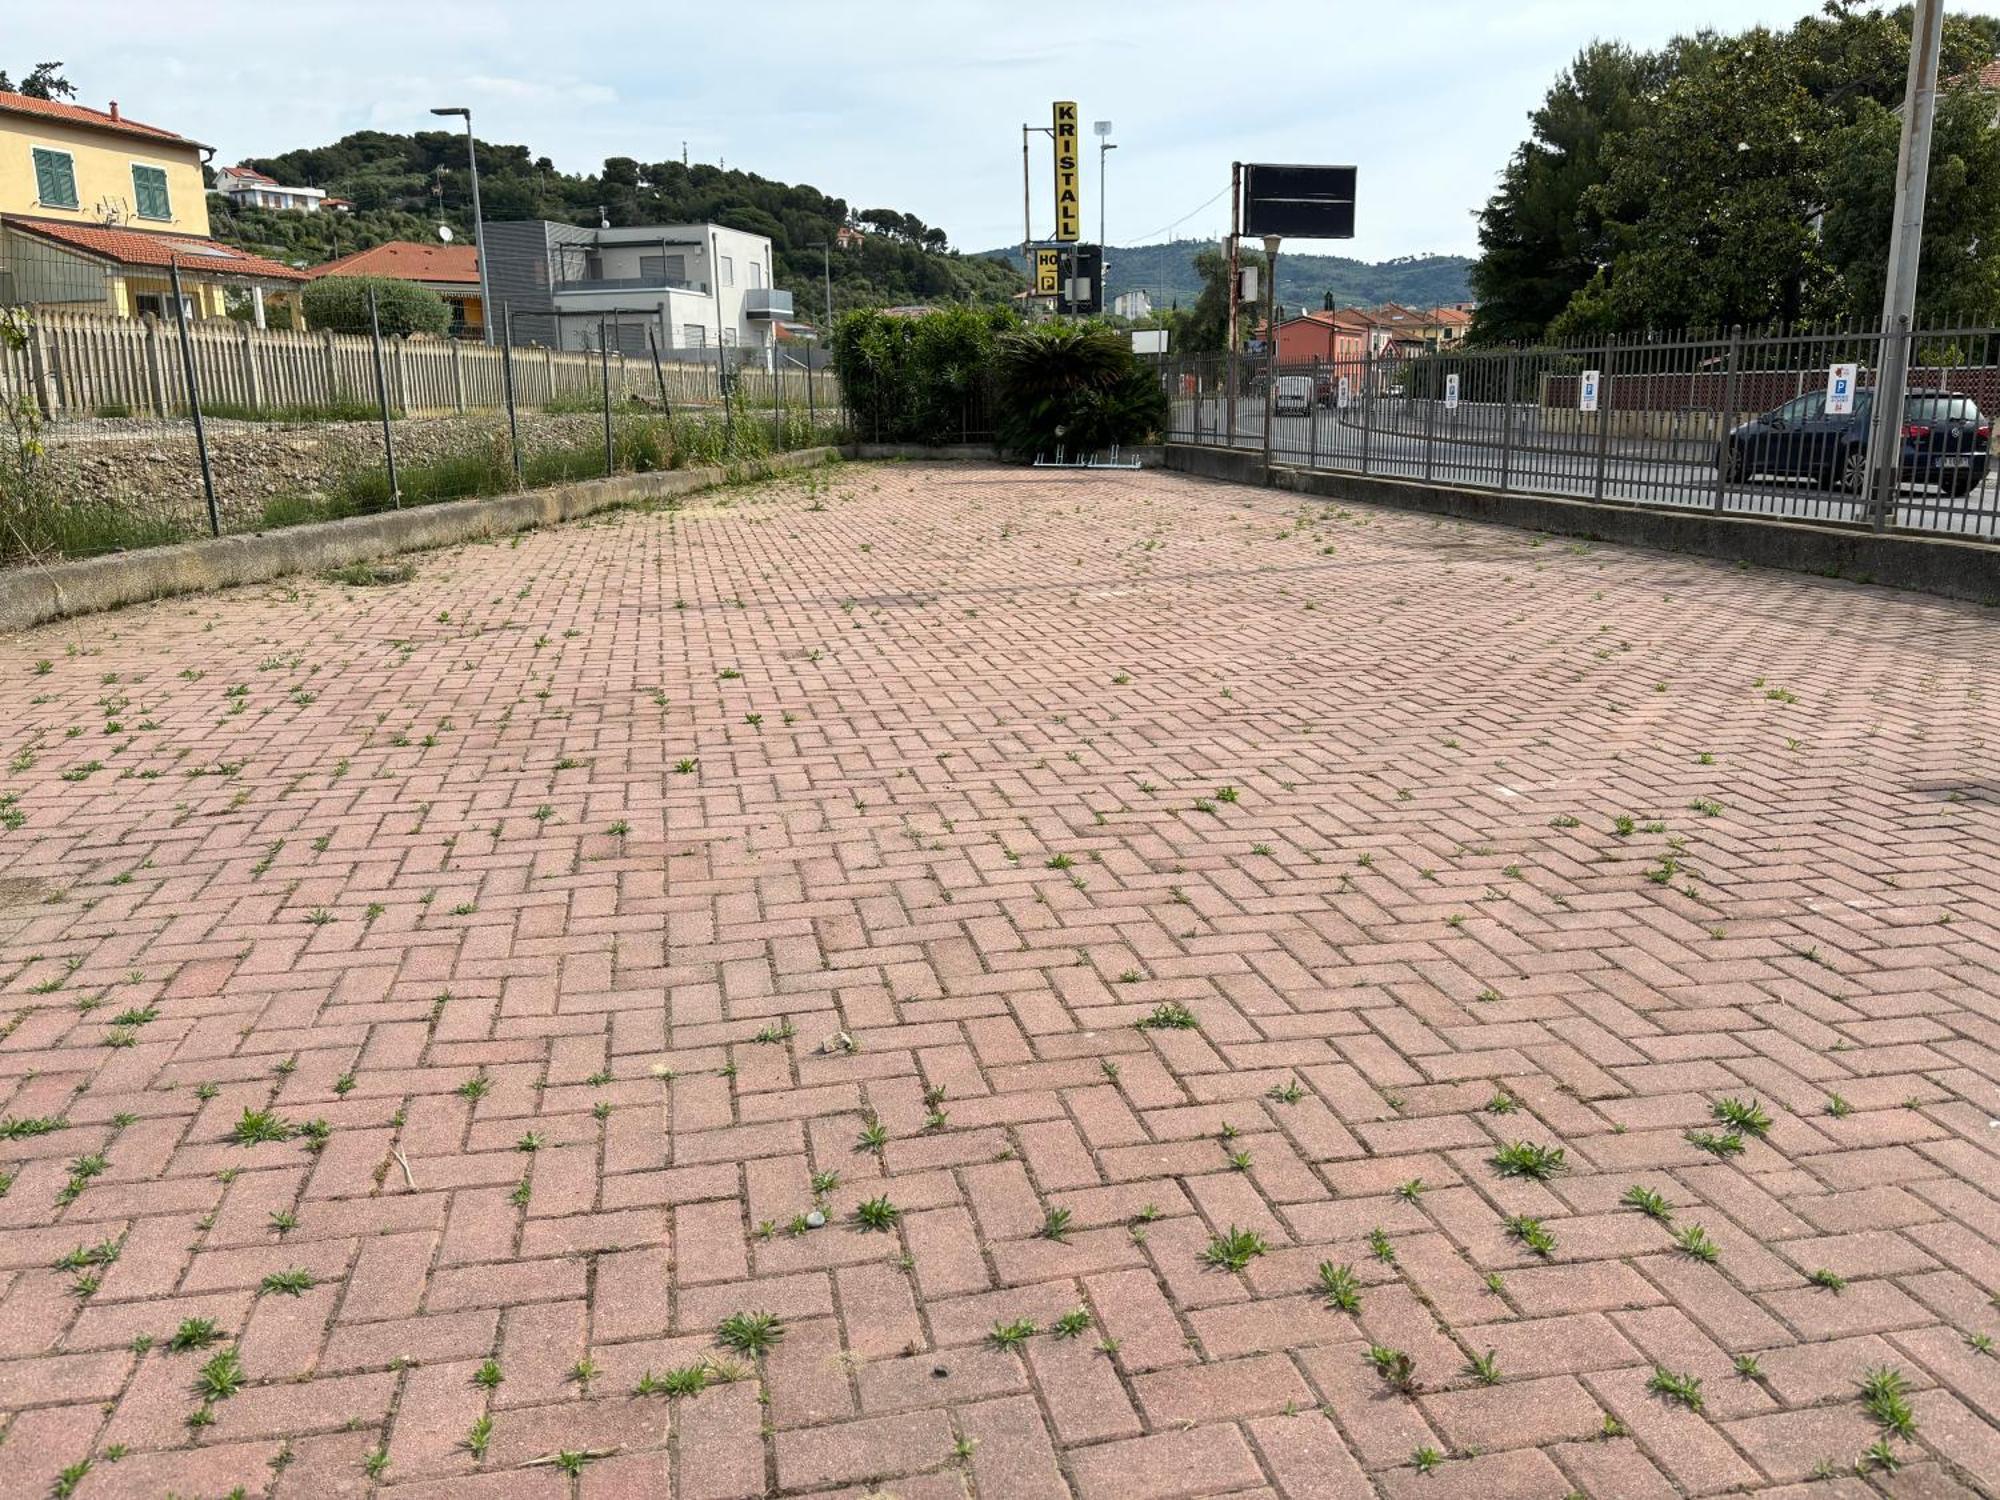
(1271, 243)
(1235, 229)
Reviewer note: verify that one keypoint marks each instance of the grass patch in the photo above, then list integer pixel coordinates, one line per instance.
(1523, 1159)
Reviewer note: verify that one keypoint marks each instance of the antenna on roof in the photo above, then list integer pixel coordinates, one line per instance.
(444, 233)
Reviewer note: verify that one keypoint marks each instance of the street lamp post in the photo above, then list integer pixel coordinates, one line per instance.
(478, 221)
(1102, 129)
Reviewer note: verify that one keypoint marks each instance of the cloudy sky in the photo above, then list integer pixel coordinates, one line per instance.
(916, 105)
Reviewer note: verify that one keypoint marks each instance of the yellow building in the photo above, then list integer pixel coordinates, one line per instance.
(95, 209)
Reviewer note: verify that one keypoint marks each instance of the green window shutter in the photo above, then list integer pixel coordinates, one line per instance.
(55, 178)
(149, 186)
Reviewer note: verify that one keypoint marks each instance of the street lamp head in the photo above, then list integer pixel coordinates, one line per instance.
(1100, 127)
(453, 109)
(1271, 243)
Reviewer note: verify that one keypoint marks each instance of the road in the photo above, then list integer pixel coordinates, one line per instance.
(1466, 447)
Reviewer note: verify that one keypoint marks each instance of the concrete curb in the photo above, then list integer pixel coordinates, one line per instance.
(31, 596)
(1929, 564)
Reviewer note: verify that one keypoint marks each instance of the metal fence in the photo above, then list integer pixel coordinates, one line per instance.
(203, 456)
(1738, 423)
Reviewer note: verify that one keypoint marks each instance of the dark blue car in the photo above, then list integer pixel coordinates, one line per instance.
(1945, 442)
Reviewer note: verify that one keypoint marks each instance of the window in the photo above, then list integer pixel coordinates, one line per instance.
(652, 268)
(55, 178)
(756, 274)
(1938, 409)
(149, 190)
(677, 268)
(694, 335)
(728, 271)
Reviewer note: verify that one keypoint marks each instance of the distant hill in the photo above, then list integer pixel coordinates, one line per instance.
(1166, 271)
(403, 186)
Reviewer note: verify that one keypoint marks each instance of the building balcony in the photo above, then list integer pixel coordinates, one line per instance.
(767, 302)
(629, 284)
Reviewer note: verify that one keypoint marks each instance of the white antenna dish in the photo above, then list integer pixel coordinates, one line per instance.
(444, 233)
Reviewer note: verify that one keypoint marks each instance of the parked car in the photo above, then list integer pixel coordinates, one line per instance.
(1945, 442)
(1294, 396)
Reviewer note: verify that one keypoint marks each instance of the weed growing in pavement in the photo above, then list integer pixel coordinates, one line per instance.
(750, 1332)
(1380, 1248)
(877, 1213)
(1532, 1233)
(1886, 1395)
(1234, 1249)
(1340, 1286)
(1071, 1324)
(1397, 1368)
(1011, 1335)
(1833, 1281)
(1743, 1114)
(1485, 1369)
(1685, 1389)
(1522, 1159)
(295, 1282)
(1648, 1202)
(1729, 1143)
(1055, 1225)
(1169, 1016)
(1693, 1240)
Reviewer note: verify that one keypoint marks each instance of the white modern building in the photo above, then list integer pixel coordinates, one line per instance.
(1134, 305)
(248, 188)
(692, 287)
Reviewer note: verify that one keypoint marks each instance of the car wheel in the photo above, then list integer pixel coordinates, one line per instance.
(1957, 484)
(1854, 471)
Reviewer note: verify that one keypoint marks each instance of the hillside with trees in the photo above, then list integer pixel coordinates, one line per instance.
(1741, 179)
(1171, 272)
(404, 186)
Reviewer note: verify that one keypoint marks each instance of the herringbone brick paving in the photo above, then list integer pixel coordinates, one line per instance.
(446, 1001)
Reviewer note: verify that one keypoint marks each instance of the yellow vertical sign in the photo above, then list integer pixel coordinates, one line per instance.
(1069, 181)
(1048, 272)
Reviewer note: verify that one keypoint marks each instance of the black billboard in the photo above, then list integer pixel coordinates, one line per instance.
(1298, 202)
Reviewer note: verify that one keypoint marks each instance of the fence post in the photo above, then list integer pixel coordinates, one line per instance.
(1430, 423)
(38, 369)
(457, 375)
(253, 385)
(659, 375)
(330, 365)
(156, 372)
(382, 396)
(1507, 422)
(812, 402)
(548, 375)
(604, 376)
(1727, 415)
(400, 346)
(777, 397)
(507, 386)
(194, 398)
(1604, 414)
(1312, 423)
(1367, 405)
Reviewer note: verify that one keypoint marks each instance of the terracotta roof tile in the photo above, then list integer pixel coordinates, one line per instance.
(134, 247)
(76, 114)
(406, 260)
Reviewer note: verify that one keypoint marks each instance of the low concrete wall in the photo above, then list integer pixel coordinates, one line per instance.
(32, 595)
(1147, 456)
(1935, 565)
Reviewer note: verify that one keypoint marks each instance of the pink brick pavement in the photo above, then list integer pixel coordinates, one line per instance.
(580, 915)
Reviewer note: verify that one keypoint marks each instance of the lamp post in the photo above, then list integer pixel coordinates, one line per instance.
(1102, 130)
(478, 221)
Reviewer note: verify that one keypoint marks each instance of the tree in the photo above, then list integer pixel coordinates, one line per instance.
(340, 303)
(1204, 328)
(1541, 235)
(44, 81)
(1959, 275)
(1710, 201)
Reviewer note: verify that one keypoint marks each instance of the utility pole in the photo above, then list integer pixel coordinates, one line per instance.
(1104, 145)
(1271, 348)
(1235, 228)
(1906, 238)
(478, 221)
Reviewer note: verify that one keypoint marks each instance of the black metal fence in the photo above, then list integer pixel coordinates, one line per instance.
(190, 460)
(1768, 424)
